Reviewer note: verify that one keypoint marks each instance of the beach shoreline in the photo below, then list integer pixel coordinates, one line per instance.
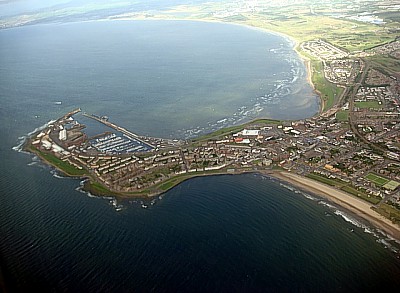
(354, 205)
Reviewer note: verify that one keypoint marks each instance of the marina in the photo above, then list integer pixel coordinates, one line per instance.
(115, 144)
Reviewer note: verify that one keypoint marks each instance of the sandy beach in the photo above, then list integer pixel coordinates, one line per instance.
(356, 206)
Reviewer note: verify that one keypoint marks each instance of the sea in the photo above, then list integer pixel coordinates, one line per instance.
(228, 233)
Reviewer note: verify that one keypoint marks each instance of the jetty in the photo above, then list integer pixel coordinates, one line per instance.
(118, 128)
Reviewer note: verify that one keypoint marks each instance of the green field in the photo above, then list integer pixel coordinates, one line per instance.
(322, 179)
(342, 116)
(234, 129)
(56, 162)
(386, 62)
(360, 194)
(383, 182)
(391, 185)
(329, 92)
(345, 187)
(368, 105)
(378, 180)
(389, 212)
(298, 23)
(97, 188)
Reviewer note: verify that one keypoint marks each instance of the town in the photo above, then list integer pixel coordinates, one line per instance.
(354, 146)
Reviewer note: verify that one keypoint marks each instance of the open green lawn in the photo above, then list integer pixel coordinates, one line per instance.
(384, 182)
(389, 212)
(368, 104)
(322, 179)
(342, 115)
(220, 132)
(378, 180)
(391, 185)
(234, 129)
(64, 166)
(168, 184)
(329, 91)
(345, 187)
(97, 188)
(172, 182)
(360, 194)
(386, 62)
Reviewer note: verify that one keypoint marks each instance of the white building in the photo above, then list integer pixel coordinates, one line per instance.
(247, 132)
(62, 135)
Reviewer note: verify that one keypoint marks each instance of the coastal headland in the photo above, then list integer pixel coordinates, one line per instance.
(349, 151)
(121, 163)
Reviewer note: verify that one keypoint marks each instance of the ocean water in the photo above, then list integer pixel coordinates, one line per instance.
(155, 71)
(244, 233)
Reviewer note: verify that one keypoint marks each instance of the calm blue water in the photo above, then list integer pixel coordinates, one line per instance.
(224, 233)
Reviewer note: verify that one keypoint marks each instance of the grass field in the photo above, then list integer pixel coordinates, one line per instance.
(386, 62)
(389, 211)
(368, 104)
(383, 182)
(378, 180)
(234, 129)
(303, 27)
(56, 162)
(329, 91)
(322, 179)
(391, 185)
(97, 188)
(342, 116)
(362, 195)
(345, 187)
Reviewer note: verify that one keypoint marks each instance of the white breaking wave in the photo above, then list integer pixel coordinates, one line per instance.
(22, 139)
(80, 189)
(381, 236)
(388, 241)
(324, 203)
(308, 196)
(349, 219)
(112, 200)
(281, 89)
(56, 174)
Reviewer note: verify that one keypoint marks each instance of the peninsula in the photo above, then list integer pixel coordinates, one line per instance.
(350, 151)
(351, 148)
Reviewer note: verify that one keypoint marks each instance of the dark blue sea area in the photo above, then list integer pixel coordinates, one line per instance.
(230, 233)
